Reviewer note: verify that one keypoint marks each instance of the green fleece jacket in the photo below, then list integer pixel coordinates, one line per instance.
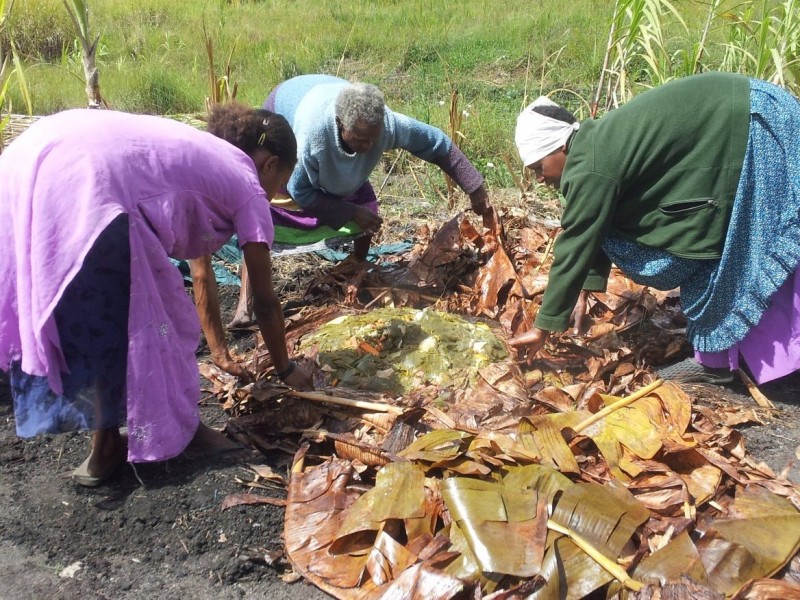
(662, 170)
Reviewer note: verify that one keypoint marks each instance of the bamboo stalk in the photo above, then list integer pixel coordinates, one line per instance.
(372, 406)
(621, 403)
(760, 398)
(609, 565)
(547, 250)
(609, 47)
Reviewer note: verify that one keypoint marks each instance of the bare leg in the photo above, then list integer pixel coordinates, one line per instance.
(109, 447)
(243, 317)
(361, 247)
(109, 450)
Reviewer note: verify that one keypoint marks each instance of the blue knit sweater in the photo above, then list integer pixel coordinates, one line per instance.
(326, 173)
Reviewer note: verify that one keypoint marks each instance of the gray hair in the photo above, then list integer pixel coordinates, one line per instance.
(360, 102)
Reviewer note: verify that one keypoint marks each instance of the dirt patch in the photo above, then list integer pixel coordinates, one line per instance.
(775, 442)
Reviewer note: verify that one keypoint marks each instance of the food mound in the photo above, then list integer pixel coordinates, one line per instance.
(397, 350)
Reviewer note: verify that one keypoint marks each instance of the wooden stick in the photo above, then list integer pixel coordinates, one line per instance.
(621, 403)
(371, 406)
(760, 398)
(609, 565)
(376, 298)
(518, 182)
(388, 174)
(547, 250)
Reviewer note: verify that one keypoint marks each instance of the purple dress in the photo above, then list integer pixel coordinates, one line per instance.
(185, 193)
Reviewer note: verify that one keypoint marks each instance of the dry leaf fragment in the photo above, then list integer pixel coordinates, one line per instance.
(238, 499)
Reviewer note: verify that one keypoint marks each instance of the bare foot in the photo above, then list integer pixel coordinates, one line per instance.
(241, 320)
(208, 443)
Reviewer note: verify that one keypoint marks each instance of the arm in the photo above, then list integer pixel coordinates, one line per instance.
(579, 264)
(578, 260)
(268, 312)
(329, 209)
(433, 145)
(536, 338)
(206, 298)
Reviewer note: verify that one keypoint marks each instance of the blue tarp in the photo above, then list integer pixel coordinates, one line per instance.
(231, 254)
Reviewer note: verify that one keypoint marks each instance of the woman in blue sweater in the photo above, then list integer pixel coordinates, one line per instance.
(342, 131)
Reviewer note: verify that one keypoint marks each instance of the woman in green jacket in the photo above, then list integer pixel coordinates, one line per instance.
(692, 185)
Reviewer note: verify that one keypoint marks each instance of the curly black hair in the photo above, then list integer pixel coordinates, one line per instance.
(252, 128)
(556, 112)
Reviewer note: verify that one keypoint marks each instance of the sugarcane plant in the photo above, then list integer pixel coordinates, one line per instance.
(763, 40)
(221, 88)
(10, 69)
(79, 13)
(760, 38)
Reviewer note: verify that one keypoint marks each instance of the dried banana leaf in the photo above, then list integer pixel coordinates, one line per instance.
(505, 528)
(605, 515)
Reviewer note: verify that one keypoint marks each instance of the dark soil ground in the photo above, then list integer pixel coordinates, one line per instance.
(158, 531)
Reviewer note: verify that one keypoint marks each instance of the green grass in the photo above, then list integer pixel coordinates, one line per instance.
(498, 55)
(152, 55)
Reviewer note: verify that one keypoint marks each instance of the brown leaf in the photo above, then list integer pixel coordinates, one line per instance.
(238, 499)
(768, 589)
(497, 282)
(420, 582)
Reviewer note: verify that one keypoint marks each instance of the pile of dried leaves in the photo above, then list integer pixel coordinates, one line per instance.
(575, 475)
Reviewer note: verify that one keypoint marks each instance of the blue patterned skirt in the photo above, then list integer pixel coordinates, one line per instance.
(92, 320)
(724, 299)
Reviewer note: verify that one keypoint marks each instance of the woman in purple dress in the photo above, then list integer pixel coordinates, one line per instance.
(95, 325)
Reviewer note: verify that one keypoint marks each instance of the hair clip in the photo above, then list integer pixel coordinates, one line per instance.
(262, 139)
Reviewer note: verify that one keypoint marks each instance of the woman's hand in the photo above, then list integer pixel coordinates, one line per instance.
(369, 222)
(580, 317)
(534, 340)
(227, 364)
(300, 379)
(479, 200)
(206, 299)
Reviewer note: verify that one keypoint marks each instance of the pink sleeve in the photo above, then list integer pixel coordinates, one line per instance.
(253, 222)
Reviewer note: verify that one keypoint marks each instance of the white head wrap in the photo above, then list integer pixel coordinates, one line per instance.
(537, 136)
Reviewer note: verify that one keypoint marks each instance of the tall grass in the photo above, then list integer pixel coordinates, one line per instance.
(763, 40)
(588, 54)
